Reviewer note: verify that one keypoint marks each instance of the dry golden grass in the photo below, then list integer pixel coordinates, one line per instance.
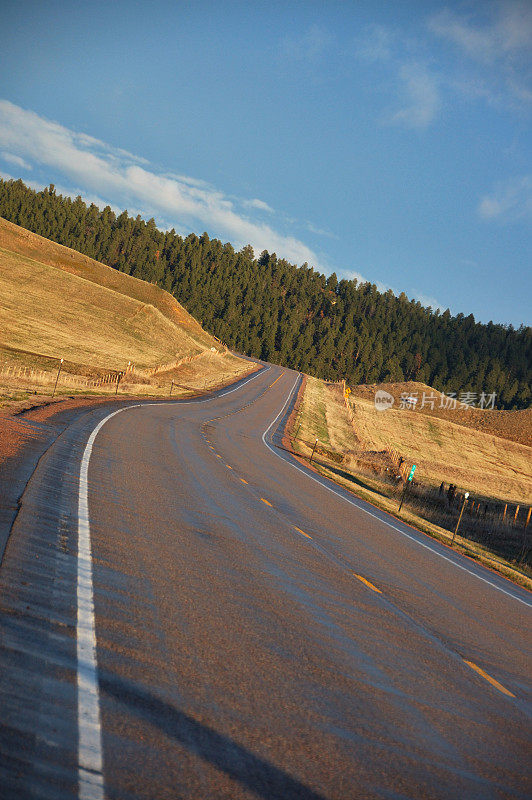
(52, 313)
(323, 417)
(25, 243)
(513, 425)
(444, 451)
(64, 305)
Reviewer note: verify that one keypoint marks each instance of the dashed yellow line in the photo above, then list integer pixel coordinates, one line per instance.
(243, 480)
(228, 466)
(302, 532)
(488, 678)
(367, 583)
(218, 455)
(267, 502)
(275, 381)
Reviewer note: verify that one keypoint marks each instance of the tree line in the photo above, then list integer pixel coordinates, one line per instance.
(290, 315)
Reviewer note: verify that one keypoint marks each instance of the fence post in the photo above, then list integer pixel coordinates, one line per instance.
(313, 451)
(466, 495)
(57, 378)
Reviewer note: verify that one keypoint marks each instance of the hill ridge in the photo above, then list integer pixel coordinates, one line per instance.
(288, 314)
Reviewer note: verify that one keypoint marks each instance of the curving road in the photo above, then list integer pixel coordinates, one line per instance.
(199, 616)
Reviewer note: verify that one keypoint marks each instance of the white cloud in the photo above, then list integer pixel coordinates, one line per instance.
(484, 55)
(16, 160)
(509, 201)
(498, 43)
(420, 95)
(320, 231)
(428, 301)
(125, 180)
(506, 32)
(417, 89)
(258, 204)
(352, 275)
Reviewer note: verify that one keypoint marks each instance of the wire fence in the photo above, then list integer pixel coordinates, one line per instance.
(33, 378)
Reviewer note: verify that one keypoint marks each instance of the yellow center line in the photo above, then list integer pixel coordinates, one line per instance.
(275, 381)
(488, 678)
(266, 501)
(367, 583)
(218, 456)
(302, 532)
(243, 480)
(228, 467)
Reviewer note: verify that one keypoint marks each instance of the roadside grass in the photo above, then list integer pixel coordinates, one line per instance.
(434, 433)
(345, 457)
(319, 419)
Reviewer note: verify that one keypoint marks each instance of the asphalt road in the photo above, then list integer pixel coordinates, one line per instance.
(259, 632)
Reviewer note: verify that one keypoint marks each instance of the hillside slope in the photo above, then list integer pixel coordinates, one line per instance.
(56, 303)
(443, 450)
(513, 425)
(21, 241)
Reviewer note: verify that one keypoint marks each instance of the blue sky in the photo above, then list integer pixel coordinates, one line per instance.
(388, 140)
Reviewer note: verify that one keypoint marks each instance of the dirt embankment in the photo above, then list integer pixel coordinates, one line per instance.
(35, 420)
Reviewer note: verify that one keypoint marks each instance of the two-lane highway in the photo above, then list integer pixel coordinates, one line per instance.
(188, 612)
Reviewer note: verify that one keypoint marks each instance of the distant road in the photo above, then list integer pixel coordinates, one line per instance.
(258, 631)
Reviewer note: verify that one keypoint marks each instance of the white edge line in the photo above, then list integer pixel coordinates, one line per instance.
(376, 516)
(90, 760)
(208, 399)
(90, 757)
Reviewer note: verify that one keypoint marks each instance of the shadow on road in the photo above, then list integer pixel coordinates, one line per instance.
(256, 774)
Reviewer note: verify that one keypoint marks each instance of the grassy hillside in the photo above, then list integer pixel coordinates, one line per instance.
(443, 450)
(56, 303)
(513, 425)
